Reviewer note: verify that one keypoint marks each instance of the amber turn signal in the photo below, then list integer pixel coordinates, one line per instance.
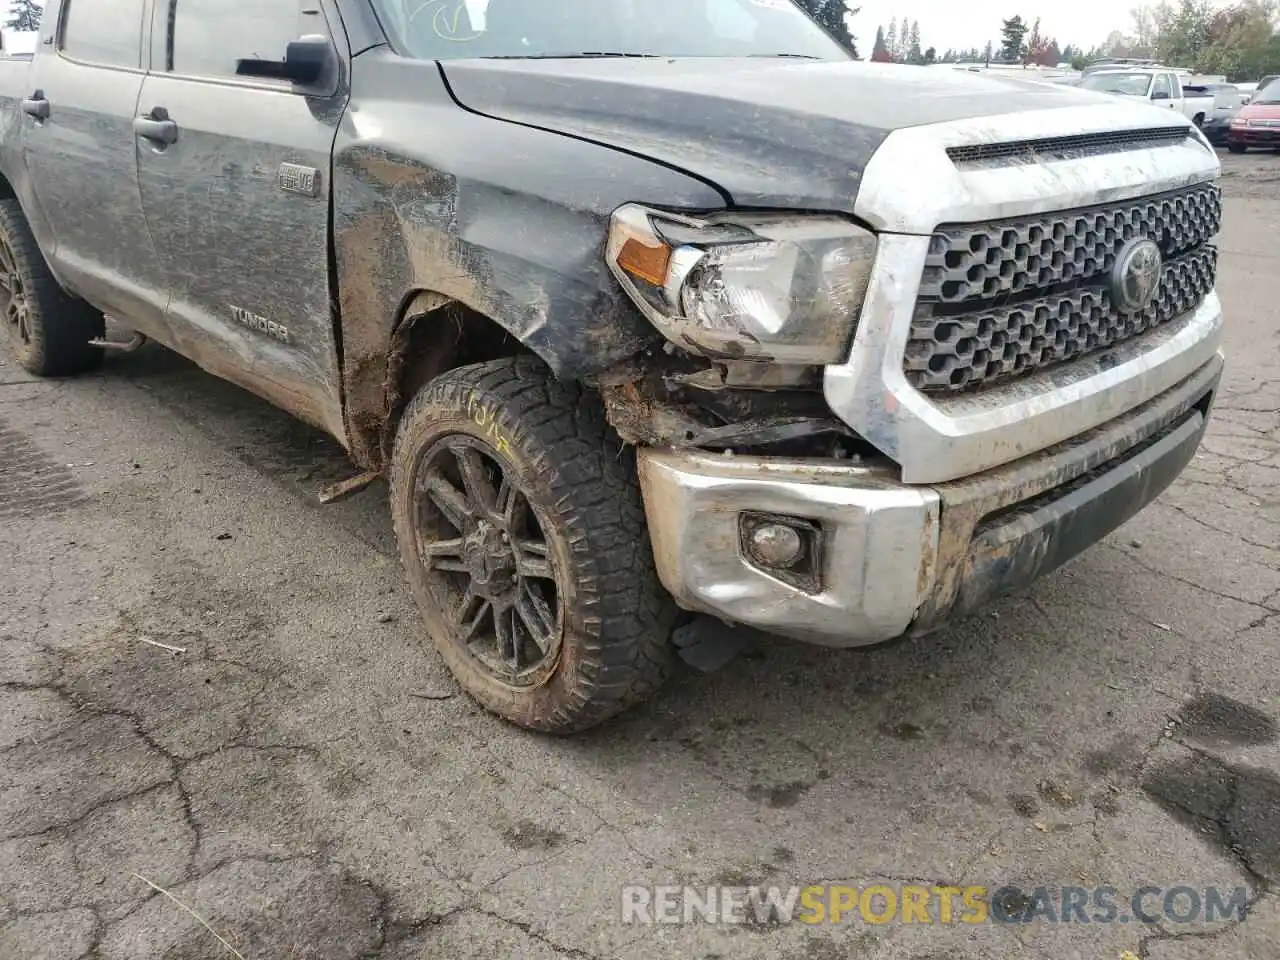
(645, 261)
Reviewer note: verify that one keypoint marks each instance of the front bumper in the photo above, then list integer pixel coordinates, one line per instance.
(1255, 136)
(894, 558)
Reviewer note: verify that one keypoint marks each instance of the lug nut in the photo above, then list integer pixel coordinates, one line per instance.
(775, 544)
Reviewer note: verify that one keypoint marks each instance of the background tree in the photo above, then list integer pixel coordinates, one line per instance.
(1012, 33)
(24, 15)
(987, 53)
(880, 51)
(891, 38)
(931, 55)
(1186, 34)
(1145, 29)
(914, 54)
(833, 16)
(1240, 40)
(1033, 45)
(1039, 49)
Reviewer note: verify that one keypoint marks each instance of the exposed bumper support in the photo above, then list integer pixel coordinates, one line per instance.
(897, 559)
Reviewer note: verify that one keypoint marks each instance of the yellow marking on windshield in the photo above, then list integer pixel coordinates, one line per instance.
(446, 20)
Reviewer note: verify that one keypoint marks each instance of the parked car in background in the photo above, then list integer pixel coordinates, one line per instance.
(1249, 90)
(1258, 124)
(1162, 87)
(1226, 104)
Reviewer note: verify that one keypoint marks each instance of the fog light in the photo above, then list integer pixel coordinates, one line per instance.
(776, 545)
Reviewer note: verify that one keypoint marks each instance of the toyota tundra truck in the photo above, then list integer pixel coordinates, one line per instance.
(646, 311)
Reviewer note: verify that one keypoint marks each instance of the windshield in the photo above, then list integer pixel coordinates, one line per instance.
(451, 29)
(1129, 84)
(1268, 94)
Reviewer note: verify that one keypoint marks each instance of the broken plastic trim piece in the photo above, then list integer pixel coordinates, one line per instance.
(345, 488)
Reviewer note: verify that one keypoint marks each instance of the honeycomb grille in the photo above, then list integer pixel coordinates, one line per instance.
(986, 260)
(951, 353)
(1003, 299)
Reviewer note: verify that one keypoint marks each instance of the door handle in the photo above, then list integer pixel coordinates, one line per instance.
(156, 127)
(36, 106)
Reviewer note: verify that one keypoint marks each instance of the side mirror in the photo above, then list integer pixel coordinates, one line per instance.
(305, 62)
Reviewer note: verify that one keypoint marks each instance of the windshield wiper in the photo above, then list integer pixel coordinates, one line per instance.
(584, 55)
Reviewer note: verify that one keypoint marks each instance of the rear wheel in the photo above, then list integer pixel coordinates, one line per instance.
(1237, 147)
(47, 331)
(523, 538)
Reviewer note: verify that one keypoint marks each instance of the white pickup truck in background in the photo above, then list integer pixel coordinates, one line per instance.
(1162, 87)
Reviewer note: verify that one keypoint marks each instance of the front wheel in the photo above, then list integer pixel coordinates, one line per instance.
(1237, 147)
(523, 538)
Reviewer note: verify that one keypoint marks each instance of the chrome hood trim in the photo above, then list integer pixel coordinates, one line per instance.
(912, 186)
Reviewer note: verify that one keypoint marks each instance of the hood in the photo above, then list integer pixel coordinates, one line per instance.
(766, 132)
(1259, 111)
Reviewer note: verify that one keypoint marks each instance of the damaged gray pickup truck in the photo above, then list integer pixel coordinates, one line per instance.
(641, 307)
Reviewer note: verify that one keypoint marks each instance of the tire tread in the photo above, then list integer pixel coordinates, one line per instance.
(562, 433)
(65, 324)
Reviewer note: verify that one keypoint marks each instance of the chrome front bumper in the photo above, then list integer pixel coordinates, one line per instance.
(896, 559)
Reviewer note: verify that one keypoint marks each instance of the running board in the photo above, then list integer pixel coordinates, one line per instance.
(131, 345)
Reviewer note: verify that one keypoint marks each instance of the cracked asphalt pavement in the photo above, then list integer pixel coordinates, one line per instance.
(280, 773)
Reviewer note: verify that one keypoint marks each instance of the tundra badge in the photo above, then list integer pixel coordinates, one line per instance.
(293, 178)
(261, 324)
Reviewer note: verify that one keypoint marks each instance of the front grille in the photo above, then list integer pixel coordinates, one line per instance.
(1001, 300)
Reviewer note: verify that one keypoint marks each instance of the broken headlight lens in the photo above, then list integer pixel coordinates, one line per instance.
(780, 287)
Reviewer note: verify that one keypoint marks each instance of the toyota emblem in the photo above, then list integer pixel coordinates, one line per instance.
(1136, 276)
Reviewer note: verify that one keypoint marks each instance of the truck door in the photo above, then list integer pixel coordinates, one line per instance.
(1164, 91)
(80, 150)
(235, 184)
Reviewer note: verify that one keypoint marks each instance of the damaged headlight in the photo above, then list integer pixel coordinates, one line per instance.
(781, 287)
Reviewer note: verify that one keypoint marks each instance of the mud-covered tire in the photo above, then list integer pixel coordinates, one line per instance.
(1237, 147)
(555, 444)
(51, 338)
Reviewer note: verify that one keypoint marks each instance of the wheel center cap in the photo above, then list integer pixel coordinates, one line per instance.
(490, 560)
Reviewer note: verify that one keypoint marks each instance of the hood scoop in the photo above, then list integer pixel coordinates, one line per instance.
(1071, 147)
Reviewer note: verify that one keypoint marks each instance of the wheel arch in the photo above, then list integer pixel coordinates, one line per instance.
(432, 334)
(433, 200)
